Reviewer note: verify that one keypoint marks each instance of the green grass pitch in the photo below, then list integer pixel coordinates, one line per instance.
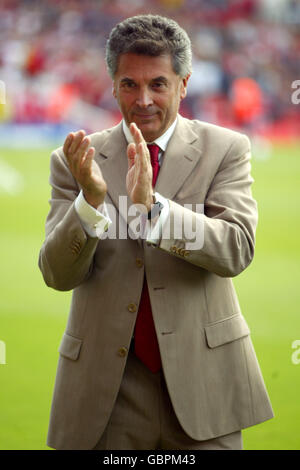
(33, 317)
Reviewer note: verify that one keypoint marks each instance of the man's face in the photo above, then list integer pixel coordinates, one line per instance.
(148, 92)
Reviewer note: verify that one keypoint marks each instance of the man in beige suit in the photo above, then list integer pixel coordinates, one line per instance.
(156, 352)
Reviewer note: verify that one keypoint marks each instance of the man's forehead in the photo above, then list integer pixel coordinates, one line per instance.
(130, 65)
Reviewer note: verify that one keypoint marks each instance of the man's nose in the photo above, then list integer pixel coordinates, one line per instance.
(144, 98)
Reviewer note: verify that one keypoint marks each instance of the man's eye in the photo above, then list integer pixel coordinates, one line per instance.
(129, 85)
(159, 86)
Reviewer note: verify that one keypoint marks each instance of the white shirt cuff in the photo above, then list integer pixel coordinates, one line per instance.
(94, 221)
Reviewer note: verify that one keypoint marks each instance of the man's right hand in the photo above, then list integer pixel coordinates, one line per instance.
(80, 157)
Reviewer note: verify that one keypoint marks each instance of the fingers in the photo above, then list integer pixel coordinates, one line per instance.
(131, 154)
(76, 141)
(138, 136)
(86, 161)
(141, 145)
(85, 170)
(75, 149)
(67, 143)
(136, 133)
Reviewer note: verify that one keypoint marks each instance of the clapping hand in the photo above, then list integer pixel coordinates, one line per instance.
(80, 157)
(139, 176)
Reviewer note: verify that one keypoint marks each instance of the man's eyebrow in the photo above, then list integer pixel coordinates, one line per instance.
(127, 80)
(160, 79)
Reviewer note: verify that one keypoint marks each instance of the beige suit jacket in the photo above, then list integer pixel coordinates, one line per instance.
(210, 366)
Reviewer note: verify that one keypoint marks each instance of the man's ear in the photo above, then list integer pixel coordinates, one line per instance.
(114, 93)
(184, 82)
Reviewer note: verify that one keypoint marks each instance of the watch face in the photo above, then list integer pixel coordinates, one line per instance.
(156, 210)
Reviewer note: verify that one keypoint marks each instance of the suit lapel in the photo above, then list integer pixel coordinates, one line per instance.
(114, 168)
(114, 165)
(179, 160)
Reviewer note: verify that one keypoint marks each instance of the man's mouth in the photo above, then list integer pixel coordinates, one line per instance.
(145, 116)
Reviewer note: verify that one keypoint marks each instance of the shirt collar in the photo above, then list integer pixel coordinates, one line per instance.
(161, 141)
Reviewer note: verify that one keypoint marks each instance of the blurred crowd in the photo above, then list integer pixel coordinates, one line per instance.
(246, 55)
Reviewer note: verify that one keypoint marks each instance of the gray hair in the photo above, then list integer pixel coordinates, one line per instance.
(150, 35)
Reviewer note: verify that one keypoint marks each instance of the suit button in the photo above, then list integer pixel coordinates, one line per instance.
(76, 246)
(122, 352)
(132, 308)
(139, 262)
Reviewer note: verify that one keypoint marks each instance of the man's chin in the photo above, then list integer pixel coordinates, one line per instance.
(150, 135)
(149, 131)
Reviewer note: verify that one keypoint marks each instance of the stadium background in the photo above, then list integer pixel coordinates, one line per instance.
(53, 80)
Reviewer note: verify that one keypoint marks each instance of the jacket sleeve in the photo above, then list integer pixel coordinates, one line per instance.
(66, 256)
(224, 233)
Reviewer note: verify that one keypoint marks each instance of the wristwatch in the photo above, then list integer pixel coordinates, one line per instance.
(156, 209)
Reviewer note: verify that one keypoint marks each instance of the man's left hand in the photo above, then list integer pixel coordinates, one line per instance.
(139, 176)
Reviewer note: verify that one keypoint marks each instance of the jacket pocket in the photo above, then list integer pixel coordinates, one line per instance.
(70, 347)
(226, 331)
